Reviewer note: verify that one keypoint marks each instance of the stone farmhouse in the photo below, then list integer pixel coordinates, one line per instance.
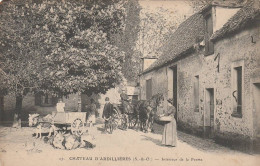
(211, 68)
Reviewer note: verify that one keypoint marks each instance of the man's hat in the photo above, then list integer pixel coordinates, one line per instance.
(107, 99)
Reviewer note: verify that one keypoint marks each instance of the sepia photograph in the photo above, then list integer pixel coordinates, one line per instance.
(129, 82)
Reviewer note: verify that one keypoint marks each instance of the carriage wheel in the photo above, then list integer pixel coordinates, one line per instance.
(77, 127)
(116, 118)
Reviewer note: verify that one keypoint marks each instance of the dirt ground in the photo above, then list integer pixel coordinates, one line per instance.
(131, 147)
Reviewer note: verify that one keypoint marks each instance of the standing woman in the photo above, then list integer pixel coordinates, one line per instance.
(169, 136)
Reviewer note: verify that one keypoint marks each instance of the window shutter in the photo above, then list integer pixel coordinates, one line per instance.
(210, 32)
(209, 46)
(206, 38)
(239, 89)
(196, 94)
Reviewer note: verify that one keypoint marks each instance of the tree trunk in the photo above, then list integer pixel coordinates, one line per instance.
(17, 113)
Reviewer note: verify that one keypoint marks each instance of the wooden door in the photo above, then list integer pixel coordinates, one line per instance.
(175, 85)
(209, 113)
(256, 105)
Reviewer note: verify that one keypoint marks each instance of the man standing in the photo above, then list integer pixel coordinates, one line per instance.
(107, 114)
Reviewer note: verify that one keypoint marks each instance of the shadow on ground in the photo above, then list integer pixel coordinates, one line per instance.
(200, 143)
(207, 145)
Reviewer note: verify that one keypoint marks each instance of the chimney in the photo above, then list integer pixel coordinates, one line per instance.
(147, 61)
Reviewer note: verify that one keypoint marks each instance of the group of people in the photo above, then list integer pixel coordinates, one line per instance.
(169, 136)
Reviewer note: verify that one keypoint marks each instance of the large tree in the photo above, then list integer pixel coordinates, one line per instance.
(81, 57)
(60, 46)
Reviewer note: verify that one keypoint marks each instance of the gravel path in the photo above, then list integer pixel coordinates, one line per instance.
(17, 147)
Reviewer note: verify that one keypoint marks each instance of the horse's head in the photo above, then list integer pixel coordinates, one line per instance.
(128, 107)
(156, 100)
(33, 119)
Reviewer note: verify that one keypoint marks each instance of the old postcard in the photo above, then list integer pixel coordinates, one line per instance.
(129, 82)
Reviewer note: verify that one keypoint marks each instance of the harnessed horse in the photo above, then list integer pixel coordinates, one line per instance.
(147, 110)
(142, 112)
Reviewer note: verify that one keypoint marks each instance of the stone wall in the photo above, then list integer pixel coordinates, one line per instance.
(71, 104)
(238, 48)
(29, 107)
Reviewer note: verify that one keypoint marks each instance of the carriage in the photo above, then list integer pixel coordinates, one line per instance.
(139, 113)
(75, 120)
(123, 118)
(59, 120)
(117, 119)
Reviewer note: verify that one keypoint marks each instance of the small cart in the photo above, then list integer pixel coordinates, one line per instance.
(75, 120)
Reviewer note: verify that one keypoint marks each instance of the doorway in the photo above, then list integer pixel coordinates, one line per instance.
(175, 104)
(1, 108)
(256, 105)
(209, 113)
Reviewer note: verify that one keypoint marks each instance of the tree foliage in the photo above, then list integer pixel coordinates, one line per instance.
(156, 25)
(81, 58)
(61, 46)
(126, 40)
(19, 61)
(197, 5)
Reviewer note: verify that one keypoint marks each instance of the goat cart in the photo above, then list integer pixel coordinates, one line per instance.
(75, 120)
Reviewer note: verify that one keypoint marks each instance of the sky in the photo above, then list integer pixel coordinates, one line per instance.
(179, 6)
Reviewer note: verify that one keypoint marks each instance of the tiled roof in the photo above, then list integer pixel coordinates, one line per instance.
(244, 17)
(182, 40)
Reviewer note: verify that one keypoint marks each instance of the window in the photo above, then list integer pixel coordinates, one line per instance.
(237, 91)
(196, 94)
(45, 100)
(148, 89)
(209, 46)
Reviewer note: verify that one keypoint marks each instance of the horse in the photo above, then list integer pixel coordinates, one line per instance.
(41, 122)
(146, 110)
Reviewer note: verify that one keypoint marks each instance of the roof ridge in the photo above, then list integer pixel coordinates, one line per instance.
(180, 40)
